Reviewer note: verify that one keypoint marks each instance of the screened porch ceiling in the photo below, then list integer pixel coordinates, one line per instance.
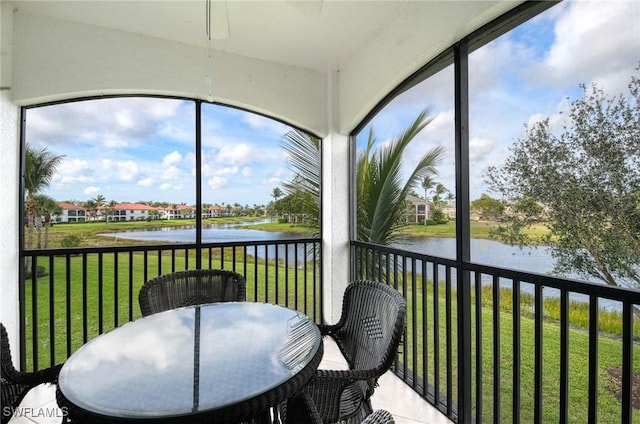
(371, 46)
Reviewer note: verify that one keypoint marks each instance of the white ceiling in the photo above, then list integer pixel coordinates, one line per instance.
(282, 58)
(312, 34)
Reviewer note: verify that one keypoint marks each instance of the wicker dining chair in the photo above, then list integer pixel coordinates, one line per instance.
(15, 384)
(193, 287)
(302, 409)
(368, 334)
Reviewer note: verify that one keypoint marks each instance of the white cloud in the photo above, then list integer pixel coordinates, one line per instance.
(172, 158)
(235, 154)
(216, 182)
(479, 149)
(146, 182)
(171, 173)
(594, 42)
(247, 172)
(71, 172)
(112, 143)
(91, 190)
(109, 122)
(165, 186)
(211, 171)
(127, 170)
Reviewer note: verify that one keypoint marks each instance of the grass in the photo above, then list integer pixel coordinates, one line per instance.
(104, 292)
(422, 330)
(479, 230)
(87, 305)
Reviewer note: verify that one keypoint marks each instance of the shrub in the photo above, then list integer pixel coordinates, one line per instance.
(71, 240)
(40, 271)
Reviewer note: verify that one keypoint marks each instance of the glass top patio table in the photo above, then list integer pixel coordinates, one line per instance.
(224, 362)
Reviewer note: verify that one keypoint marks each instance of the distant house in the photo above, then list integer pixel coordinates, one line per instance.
(70, 213)
(178, 212)
(416, 209)
(215, 211)
(415, 212)
(126, 212)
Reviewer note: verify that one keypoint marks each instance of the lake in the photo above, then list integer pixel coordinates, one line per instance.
(488, 252)
(218, 233)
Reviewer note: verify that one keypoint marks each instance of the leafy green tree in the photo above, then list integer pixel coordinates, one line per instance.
(40, 166)
(380, 190)
(586, 181)
(488, 207)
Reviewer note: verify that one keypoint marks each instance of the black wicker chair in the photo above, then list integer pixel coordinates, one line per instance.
(302, 409)
(194, 287)
(368, 335)
(16, 384)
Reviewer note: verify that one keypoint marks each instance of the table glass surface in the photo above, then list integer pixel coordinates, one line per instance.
(189, 360)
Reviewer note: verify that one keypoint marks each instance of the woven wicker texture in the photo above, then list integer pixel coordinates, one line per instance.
(194, 287)
(302, 409)
(368, 334)
(16, 384)
(379, 416)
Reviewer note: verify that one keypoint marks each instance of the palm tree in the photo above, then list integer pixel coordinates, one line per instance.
(40, 165)
(304, 156)
(92, 208)
(99, 201)
(46, 207)
(380, 190)
(276, 194)
(427, 183)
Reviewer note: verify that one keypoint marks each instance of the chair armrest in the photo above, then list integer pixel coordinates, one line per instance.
(47, 375)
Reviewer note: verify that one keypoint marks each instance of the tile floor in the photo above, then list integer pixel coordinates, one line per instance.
(39, 406)
(392, 394)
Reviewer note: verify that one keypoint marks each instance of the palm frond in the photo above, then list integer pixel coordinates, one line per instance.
(381, 190)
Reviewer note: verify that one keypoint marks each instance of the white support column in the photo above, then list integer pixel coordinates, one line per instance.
(335, 207)
(9, 178)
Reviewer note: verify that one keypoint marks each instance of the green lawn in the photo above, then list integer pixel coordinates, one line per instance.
(113, 283)
(121, 278)
(609, 358)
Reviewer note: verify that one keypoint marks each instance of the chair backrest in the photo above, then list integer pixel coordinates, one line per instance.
(193, 287)
(371, 326)
(8, 370)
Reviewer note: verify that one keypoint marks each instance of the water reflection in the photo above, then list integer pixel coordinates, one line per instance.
(216, 233)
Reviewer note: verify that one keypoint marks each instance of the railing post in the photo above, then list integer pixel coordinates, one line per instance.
(463, 237)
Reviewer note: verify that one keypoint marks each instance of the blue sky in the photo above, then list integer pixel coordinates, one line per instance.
(130, 149)
(522, 77)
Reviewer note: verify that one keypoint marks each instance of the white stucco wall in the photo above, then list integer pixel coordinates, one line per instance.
(335, 207)
(9, 177)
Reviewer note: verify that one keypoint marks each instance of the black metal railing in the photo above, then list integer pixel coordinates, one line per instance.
(544, 349)
(69, 296)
